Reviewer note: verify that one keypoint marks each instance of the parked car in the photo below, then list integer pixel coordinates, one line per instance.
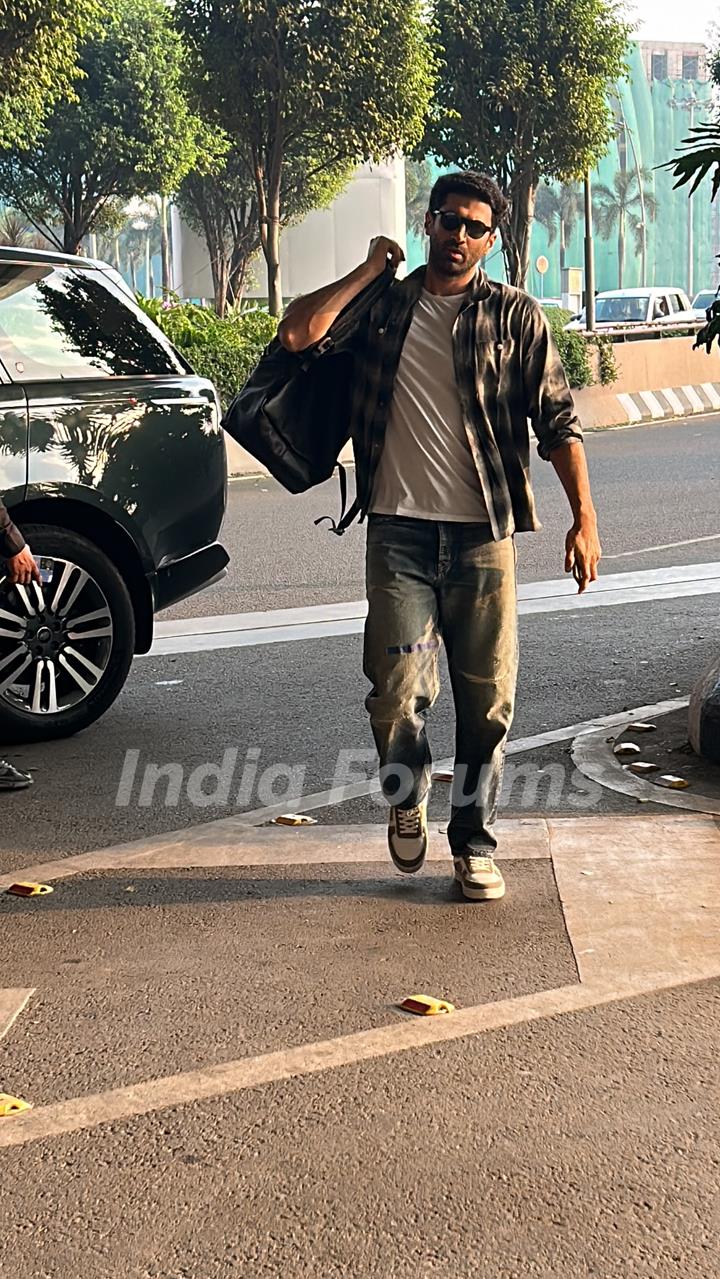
(653, 306)
(702, 301)
(112, 462)
(551, 304)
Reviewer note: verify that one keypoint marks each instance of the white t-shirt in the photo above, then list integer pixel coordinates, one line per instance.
(426, 469)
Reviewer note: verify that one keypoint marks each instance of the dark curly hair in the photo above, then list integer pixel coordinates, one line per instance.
(477, 185)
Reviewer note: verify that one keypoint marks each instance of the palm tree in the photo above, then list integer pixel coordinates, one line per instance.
(16, 232)
(559, 207)
(620, 206)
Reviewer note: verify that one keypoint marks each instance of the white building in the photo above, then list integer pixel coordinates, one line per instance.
(324, 247)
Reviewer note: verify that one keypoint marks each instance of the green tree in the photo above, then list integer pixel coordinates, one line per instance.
(522, 93)
(223, 208)
(39, 42)
(559, 210)
(130, 131)
(619, 208)
(326, 85)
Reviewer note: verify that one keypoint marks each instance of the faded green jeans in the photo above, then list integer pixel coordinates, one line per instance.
(427, 582)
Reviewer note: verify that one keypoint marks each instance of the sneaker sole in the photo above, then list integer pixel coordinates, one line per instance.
(481, 894)
(408, 868)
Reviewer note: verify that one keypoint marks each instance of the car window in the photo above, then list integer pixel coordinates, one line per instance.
(622, 310)
(676, 302)
(703, 301)
(661, 309)
(57, 322)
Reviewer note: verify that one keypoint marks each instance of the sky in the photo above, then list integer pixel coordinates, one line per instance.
(672, 19)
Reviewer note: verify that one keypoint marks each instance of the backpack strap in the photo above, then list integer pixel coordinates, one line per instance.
(346, 516)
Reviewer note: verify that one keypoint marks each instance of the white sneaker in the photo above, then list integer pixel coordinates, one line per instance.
(408, 837)
(478, 877)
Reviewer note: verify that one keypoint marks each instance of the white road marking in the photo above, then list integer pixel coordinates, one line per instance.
(666, 546)
(12, 1002)
(240, 630)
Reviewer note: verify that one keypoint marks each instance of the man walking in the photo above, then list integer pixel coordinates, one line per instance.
(450, 366)
(20, 569)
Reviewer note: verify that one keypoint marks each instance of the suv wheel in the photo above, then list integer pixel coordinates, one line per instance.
(66, 645)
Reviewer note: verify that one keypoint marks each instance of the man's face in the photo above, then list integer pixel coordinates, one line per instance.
(454, 253)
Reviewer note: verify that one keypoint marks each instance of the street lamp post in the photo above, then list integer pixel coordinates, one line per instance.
(589, 259)
(623, 127)
(689, 104)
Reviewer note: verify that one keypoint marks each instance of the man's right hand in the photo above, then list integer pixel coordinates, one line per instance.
(383, 250)
(22, 569)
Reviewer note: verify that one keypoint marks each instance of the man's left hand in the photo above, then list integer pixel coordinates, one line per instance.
(583, 551)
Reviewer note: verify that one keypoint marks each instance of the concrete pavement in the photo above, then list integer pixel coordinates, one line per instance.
(213, 1044)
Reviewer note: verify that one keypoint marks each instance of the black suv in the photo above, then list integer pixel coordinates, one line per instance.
(112, 462)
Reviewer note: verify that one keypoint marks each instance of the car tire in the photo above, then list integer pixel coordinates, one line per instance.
(75, 657)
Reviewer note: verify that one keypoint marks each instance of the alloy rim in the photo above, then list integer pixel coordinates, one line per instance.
(56, 639)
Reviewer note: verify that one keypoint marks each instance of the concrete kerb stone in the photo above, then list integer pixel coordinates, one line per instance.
(592, 754)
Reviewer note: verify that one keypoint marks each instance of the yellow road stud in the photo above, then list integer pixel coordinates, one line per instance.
(626, 748)
(672, 782)
(426, 1005)
(293, 819)
(26, 888)
(442, 775)
(641, 726)
(640, 766)
(12, 1105)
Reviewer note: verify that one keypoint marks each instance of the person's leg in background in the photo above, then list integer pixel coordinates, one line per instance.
(478, 618)
(401, 663)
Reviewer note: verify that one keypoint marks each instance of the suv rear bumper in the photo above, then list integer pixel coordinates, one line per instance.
(181, 578)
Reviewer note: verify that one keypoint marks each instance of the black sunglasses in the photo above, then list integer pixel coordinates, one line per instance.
(450, 221)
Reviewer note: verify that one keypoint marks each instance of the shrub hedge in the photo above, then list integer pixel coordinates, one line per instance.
(223, 350)
(227, 350)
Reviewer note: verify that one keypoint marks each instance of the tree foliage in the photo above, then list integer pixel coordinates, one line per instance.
(302, 84)
(522, 94)
(130, 130)
(39, 41)
(223, 208)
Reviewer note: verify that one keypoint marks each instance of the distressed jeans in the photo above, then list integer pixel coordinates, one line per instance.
(427, 582)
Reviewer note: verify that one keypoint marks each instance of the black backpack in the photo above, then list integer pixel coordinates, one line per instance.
(294, 412)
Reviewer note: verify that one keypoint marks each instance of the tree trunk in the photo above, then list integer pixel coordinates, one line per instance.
(164, 245)
(516, 233)
(238, 276)
(72, 241)
(219, 270)
(133, 281)
(267, 187)
(563, 247)
(272, 255)
(118, 265)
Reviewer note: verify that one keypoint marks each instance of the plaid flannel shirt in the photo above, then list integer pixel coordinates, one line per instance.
(508, 373)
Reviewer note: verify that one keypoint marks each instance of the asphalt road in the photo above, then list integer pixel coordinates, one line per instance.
(301, 704)
(249, 1102)
(652, 485)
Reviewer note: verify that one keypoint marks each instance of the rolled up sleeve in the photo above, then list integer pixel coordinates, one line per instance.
(12, 541)
(550, 405)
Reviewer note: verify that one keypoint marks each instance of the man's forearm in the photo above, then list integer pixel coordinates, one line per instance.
(571, 466)
(308, 319)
